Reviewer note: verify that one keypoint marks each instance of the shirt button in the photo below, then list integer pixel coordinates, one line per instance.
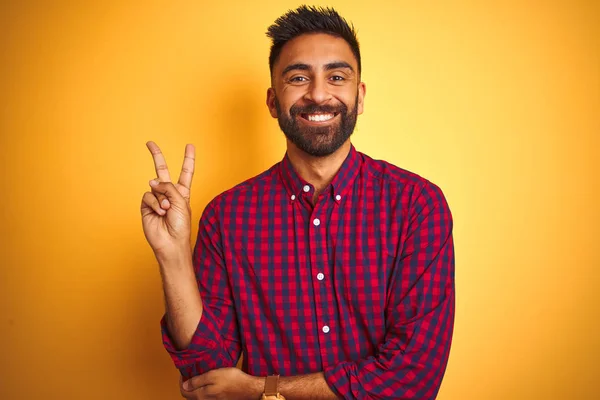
(320, 276)
(317, 222)
(338, 197)
(293, 197)
(306, 188)
(325, 329)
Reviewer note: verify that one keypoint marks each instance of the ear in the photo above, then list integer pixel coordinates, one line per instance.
(362, 91)
(271, 102)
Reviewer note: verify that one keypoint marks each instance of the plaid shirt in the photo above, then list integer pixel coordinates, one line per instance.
(359, 285)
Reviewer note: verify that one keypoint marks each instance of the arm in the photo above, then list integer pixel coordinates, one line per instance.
(411, 361)
(310, 386)
(198, 336)
(214, 341)
(232, 383)
(183, 305)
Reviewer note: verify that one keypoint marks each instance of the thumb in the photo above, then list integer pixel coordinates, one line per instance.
(169, 191)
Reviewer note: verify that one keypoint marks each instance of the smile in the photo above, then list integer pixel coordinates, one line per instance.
(318, 117)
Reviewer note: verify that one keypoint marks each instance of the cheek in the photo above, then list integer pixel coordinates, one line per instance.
(345, 95)
(291, 95)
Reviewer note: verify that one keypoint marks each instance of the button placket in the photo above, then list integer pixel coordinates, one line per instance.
(319, 257)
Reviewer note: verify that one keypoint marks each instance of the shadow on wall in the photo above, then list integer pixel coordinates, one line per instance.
(238, 139)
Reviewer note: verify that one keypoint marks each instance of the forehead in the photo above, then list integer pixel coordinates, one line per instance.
(316, 50)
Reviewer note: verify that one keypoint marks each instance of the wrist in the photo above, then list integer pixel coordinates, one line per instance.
(255, 388)
(272, 388)
(174, 257)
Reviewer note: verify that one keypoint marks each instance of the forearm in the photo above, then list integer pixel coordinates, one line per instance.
(183, 304)
(311, 386)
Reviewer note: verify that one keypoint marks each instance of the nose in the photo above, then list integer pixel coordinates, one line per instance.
(318, 92)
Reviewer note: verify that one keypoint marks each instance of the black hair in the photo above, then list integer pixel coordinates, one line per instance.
(310, 19)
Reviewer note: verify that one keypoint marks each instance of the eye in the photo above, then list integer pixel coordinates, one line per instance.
(298, 79)
(337, 79)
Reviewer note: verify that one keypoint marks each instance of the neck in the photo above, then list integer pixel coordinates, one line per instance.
(318, 171)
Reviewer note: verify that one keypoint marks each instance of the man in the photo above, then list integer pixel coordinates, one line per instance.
(331, 269)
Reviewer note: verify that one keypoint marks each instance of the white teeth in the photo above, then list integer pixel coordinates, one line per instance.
(319, 117)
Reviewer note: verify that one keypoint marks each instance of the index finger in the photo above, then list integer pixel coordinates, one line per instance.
(160, 164)
(187, 170)
(198, 381)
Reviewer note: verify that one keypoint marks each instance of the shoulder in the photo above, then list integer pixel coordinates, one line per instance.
(258, 184)
(402, 182)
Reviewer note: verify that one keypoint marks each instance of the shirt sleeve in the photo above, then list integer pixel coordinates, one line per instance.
(216, 342)
(411, 361)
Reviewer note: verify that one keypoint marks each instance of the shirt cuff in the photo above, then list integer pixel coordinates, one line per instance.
(205, 342)
(338, 377)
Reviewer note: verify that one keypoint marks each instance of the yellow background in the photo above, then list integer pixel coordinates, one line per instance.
(499, 104)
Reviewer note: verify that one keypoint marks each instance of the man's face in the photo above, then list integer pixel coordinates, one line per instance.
(316, 93)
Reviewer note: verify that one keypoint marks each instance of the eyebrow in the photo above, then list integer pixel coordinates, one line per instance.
(337, 65)
(306, 67)
(298, 66)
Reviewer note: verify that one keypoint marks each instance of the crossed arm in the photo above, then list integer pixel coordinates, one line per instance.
(231, 383)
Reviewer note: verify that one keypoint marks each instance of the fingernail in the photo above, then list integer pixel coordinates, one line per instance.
(186, 385)
(165, 203)
(153, 182)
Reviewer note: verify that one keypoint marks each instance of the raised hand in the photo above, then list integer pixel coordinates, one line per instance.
(166, 212)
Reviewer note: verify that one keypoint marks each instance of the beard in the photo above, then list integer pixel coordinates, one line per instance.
(318, 141)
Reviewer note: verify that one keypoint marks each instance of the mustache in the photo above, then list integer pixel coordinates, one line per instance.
(295, 110)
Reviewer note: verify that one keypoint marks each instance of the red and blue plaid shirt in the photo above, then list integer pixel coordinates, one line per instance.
(359, 285)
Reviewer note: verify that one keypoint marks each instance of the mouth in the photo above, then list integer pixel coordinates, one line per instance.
(318, 118)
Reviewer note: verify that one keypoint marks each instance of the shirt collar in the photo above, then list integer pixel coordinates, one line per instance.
(296, 186)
